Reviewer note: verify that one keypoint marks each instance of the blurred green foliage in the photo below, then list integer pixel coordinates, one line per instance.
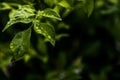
(87, 40)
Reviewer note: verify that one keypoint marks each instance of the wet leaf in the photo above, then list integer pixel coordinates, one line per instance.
(20, 43)
(46, 30)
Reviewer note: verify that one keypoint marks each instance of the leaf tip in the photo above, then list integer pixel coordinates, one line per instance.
(3, 30)
(60, 19)
(53, 43)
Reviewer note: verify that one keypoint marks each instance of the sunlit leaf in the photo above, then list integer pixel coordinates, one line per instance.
(20, 43)
(23, 15)
(4, 6)
(64, 4)
(46, 30)
(51, 14)
(57, 8)
(14, 21)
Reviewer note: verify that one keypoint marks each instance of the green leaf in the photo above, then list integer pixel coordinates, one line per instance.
(89, 7)
(64, 4)
(4, 6)
(24, 15)
(50, 13)
(114, 1)
(46, 30)
(20, 43)
(85, 6)
(14, 21)
(5, 55)
(4, 60)
(50, 3)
